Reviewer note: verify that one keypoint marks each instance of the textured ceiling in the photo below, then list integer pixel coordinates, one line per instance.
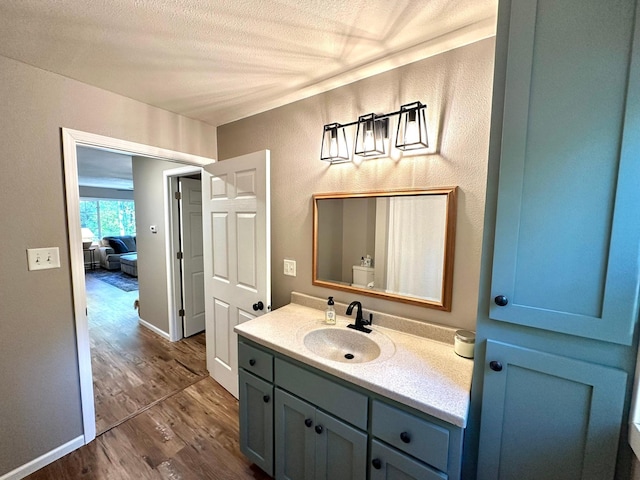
(221, 60)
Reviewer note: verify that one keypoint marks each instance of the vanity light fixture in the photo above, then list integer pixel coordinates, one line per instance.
(412, 127)
(334, 144)
(371, 135)
(373, 131)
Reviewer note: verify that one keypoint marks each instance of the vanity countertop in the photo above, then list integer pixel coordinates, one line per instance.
(421, 373)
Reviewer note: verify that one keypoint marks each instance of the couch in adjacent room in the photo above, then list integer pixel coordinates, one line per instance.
(112, 248)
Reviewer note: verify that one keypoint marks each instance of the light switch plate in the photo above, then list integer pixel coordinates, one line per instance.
(43, 258)
(290, 267)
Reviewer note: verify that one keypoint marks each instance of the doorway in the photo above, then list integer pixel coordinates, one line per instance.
(186, 251)
(71, 139)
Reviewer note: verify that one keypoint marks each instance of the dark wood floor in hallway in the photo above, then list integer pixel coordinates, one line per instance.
(162, 416)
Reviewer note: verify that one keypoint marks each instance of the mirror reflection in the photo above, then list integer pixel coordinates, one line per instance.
(397, 245)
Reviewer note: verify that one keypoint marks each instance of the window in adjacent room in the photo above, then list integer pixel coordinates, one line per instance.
(108, 217)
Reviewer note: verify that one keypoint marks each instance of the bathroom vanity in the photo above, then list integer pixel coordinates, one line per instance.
(396, 407)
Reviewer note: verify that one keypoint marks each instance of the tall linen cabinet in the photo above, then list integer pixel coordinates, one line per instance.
(558, 307)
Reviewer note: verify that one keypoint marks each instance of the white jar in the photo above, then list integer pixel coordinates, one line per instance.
(464, 343)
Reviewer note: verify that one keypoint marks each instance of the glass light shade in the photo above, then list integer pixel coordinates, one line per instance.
(334, 144)
(370, 136)
(412, 127)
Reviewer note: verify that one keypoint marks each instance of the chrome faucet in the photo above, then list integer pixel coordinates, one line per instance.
(360, 321)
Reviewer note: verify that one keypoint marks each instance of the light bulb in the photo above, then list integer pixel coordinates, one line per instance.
(369, 141)
(412, 132)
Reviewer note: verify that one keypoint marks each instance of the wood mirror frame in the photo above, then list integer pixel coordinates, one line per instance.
(444, 221)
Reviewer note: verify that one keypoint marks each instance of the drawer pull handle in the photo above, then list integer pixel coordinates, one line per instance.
(495, 366)
(252, 361)
(266, 398)
(405, 437)
(377, 464)
(308, 422)
(318, 429)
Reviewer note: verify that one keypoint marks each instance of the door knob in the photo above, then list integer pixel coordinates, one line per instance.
(308, 422)
(377, 464)
(258, 306)
(495, 366)
(501, 300)
(319, 429)
(266, 398)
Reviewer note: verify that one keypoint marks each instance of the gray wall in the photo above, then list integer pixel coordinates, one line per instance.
(148, 184)
(457, 87)
(40, 399)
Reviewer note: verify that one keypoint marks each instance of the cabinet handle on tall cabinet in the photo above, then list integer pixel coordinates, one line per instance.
(252, 362)
(377, 464)
(308, 422)
(405, 437)
(495, 366)
(266, 398)
(318, 429)
(501, 300)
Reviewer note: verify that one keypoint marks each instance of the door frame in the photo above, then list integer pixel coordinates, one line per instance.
(170, 178)
(71, 139)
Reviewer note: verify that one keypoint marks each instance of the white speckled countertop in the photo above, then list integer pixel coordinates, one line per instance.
(416, 371)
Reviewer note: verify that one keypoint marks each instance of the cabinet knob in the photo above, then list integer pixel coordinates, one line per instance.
(495, 366)
(377, 464)
(308, 422)
(501, 300)
(318, 429)
(405, 437)
(252, 361)
(266, 398)
(258, 306)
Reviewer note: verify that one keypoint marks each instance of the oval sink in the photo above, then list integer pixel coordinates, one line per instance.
(342, 345)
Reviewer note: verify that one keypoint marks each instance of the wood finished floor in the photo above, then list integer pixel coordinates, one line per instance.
(132, 366)
(162, 416)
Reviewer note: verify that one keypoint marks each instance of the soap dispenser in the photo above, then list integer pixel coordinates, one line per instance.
(330, 313)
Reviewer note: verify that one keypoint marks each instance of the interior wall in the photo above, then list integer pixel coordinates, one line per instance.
(148, 182)
(40, 401)
(456, 86)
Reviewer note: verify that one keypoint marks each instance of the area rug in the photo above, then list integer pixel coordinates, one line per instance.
(116, 278)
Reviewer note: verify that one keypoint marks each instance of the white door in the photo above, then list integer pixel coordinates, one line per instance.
(192, 263)
(237, 261)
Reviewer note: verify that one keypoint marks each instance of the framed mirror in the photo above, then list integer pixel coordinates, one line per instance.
(396, 245)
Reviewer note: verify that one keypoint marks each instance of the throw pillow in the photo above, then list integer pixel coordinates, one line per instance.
(118, 245)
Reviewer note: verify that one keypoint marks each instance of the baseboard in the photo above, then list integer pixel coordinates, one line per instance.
(154, 329)
(44, 460)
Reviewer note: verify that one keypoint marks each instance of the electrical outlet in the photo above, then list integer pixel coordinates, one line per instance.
(43, 258)
(290, 267)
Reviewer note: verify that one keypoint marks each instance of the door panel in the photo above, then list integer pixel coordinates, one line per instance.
(192, 262)
(562, 248)
(236, 221)
(547, 416)
(295, 439)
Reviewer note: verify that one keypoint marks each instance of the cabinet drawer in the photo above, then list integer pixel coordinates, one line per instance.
(389, 464)
(322, 392)
(415, 436)
(256, 361)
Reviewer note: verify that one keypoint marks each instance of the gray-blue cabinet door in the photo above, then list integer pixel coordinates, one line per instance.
(256, 420)
(566, 254)
(547, 416)
(389, 464)
(341, 450)
(295, 438)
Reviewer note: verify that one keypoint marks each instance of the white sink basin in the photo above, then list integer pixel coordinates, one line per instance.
(342, 345)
